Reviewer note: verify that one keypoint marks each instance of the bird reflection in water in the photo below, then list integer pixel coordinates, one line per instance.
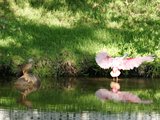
(27, 83)
(119, 96)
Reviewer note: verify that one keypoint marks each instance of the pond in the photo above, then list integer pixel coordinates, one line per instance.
(10, 114)
(74, 99)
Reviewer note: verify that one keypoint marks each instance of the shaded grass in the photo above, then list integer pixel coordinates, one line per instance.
(55, 32)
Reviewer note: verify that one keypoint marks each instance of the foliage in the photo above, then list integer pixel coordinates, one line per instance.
(43, 30)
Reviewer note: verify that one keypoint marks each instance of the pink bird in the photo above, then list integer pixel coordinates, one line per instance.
(120, 63)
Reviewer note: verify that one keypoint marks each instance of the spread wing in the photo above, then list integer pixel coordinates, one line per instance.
(130, 63)
(104, 60)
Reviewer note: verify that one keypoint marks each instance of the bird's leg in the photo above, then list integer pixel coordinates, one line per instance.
(23, 96)
(23, 71)
(113, 78)
(117, 79)
(24, 101)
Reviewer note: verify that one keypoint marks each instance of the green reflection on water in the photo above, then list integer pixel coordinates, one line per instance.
(78, 94)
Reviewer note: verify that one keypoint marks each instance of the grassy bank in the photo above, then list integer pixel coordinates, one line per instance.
(64, 36)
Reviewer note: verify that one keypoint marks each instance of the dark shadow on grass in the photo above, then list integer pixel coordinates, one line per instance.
(73, 5)
(26, 39)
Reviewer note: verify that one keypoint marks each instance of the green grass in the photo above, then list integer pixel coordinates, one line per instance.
(56, 32)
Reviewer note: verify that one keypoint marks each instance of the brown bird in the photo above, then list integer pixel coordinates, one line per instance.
(28, 66)
(27, 83)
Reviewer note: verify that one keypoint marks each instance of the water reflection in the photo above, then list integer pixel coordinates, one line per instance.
(92, 84)
(6, 114)
(78, 94)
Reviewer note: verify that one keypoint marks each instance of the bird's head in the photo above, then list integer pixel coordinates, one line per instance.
(30, 60)
(125, 55)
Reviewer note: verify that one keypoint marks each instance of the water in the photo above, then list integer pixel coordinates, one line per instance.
(10, 114)
(74, 99)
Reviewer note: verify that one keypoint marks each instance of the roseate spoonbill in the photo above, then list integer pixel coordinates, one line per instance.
(120, 63)
(27, 84)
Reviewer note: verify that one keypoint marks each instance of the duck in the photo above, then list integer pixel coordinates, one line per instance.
(27, 83)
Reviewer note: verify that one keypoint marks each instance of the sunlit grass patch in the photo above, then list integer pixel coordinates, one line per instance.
(7, 101)
(42, 16)
(49, 28)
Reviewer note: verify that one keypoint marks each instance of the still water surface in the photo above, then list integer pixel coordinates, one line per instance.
(87, 85)
(10, 114)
